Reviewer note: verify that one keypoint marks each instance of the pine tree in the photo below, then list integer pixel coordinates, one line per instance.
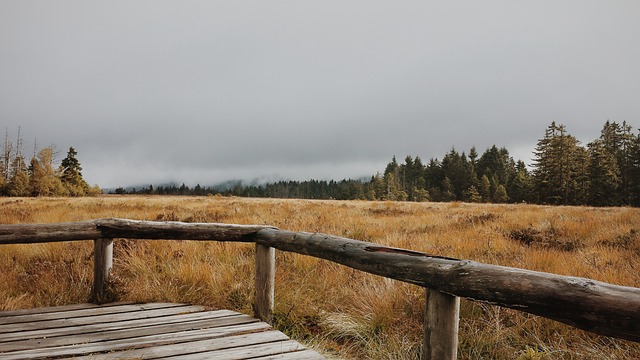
(473, 157)
(434, 176)
(520, 187)
(472, 195)
(604, 175)
(635, 172)
(560, 164)
(71, 175)
(421, 195)
(500, 196)
(485, 188)
(458, 170)
(447, 190)
(626, 163)
(378, 187)
(394, 192)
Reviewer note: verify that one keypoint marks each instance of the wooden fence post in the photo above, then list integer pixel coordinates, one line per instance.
(441, 326)
(265, 279)
(102, 265)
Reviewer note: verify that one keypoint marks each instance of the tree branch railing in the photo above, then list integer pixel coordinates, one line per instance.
(594, 306)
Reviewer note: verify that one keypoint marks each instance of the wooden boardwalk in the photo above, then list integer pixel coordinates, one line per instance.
(141, 331)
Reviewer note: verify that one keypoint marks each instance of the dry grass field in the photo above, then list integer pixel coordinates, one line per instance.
(339, 311)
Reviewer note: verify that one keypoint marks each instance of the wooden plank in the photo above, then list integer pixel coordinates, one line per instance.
(295, 355)
(125, 331)
(246, 352)
(7, 313)
(105, 318)
(88, 310)
(265, 283)
(196, 348)
(441, 326)
(108, 344)
(108, 334)
(587, 304)
(196, 319)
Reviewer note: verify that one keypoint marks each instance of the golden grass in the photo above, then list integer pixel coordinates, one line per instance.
(340, 311)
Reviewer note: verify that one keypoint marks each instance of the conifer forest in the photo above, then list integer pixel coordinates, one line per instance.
(604, 172)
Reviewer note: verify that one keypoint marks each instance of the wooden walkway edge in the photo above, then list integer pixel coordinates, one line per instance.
(141, 331)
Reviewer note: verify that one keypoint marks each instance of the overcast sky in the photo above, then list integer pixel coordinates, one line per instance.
(207, 91)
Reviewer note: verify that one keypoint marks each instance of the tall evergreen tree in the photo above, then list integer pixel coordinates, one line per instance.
(635, 172)
(447, 190)
(472, 195)
(604, 175)
(458, 170)
(500, 196)
(434, 176)
(520, 187)
(71, 175)
(626, 163)
(559, 163)
(485, 189)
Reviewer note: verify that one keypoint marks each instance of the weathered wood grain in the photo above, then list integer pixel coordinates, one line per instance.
(265, 283)
(197, 348)
(194, 319)
(40, 233)
(102, 265)
(41, 310)
(203, 334)
(123, 228)
(441, 326)
(587, 304)
(127, 339)
(103, 318)
(591, 305)
(296, 355)
(64, 312)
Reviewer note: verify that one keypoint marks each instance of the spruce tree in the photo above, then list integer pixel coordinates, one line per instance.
(560, 164)
(635, 172)
(520, 187)
(472, 195)
(500, 195)
(71, 174)
(485, 188)
(447, 191)
(604, 175)
(458, 170)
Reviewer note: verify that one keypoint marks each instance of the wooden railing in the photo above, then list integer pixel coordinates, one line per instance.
(587, 304)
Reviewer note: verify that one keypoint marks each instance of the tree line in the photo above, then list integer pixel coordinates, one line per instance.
(605, 172)
(41, 177)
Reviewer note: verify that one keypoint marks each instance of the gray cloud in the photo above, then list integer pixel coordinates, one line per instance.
(200, 91)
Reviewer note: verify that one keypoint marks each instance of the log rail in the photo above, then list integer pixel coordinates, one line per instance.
(587, 304)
